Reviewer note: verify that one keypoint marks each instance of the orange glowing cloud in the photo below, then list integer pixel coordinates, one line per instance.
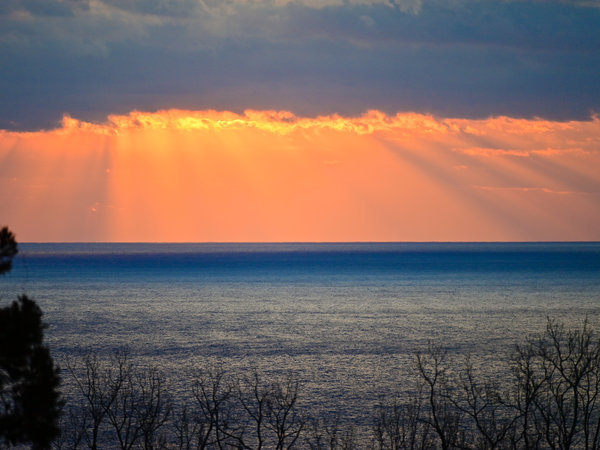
(272, 176)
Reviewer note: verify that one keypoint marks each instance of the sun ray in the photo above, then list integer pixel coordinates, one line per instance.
(179, 175)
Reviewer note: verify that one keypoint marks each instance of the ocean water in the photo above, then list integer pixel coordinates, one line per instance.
(346, 319)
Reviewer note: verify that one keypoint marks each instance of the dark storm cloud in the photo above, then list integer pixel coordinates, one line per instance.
(89, 58)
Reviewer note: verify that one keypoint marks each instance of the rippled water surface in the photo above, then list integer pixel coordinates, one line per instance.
(347, 319)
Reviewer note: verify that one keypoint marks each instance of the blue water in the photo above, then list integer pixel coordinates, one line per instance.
(347, 319)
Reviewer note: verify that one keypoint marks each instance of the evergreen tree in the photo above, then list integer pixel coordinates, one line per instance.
(8, 250)
(30, 401)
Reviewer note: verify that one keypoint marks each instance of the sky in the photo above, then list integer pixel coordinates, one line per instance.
(300, 120)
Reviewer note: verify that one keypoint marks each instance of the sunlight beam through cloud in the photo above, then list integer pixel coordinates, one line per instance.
(179, 175)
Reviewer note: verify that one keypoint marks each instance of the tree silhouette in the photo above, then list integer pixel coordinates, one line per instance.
(8, 250)
(29, 398)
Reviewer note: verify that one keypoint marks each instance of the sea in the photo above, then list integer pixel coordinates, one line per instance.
(346, 319)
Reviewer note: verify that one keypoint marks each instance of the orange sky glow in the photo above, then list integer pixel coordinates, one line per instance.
(270, 176)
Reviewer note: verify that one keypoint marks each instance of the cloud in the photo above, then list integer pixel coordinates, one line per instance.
(479, 151)
(506, 24)
(544, 190)
(531, 137)
(463, 58)
(281, 122)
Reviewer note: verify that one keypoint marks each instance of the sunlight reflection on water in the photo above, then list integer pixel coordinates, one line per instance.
(349, 330)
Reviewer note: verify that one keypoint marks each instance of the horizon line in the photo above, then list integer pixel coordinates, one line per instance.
(316, 242)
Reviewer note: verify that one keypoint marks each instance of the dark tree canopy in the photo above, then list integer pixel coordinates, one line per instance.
(29, 398)
(8, 249)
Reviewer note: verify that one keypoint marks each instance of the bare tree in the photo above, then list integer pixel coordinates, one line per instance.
(246, 412)
(96, 392)
(400, 424)
(331, 434)
(153, 407)
(284, 416)
(551, 400)
(546, 397)
(528, 382)
(213, 395)
(120, 402)
(254, 397)
(73, 424)
(566, 401)
(442, 415)
(185, 428)
(492, 418)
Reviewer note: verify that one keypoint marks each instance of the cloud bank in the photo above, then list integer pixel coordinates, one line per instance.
(466, 58)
